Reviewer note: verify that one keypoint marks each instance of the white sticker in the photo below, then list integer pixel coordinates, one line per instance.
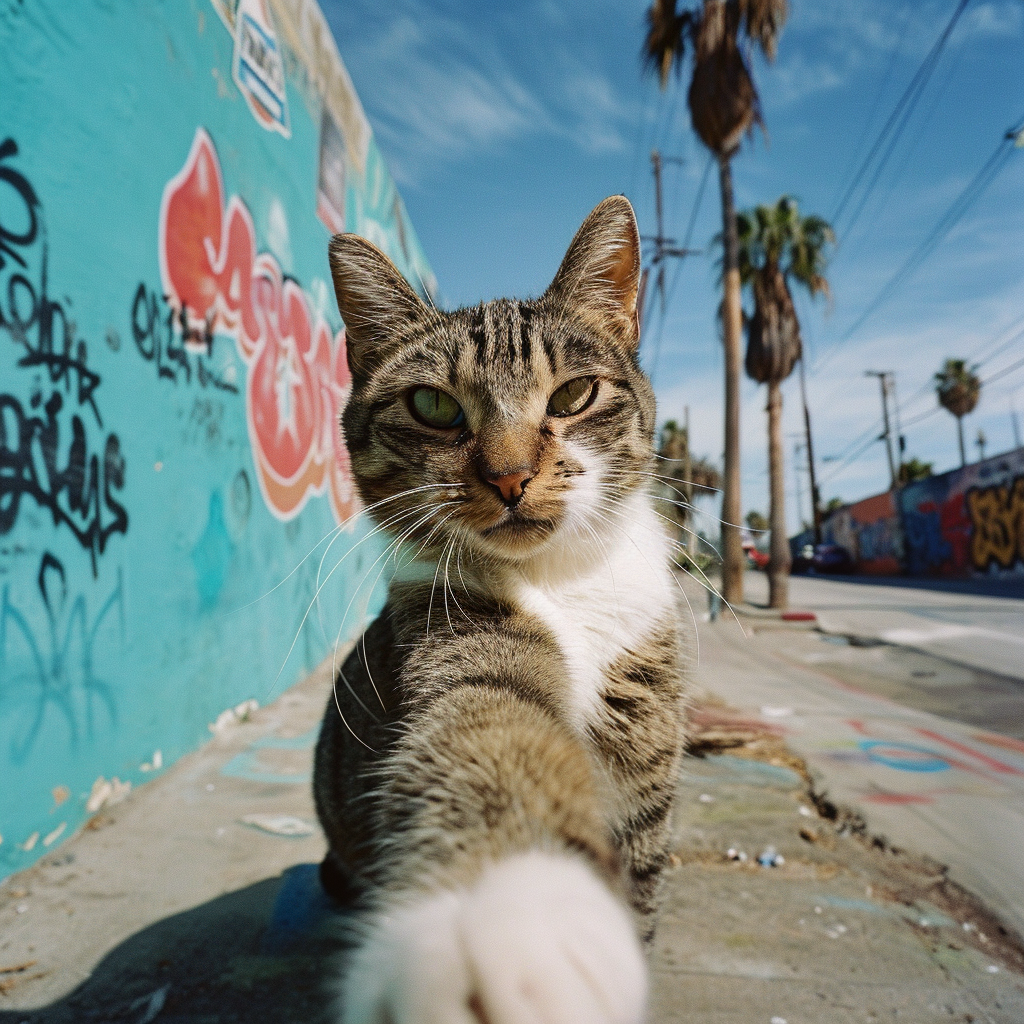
(258, 69)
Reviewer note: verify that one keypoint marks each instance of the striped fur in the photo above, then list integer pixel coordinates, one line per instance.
(520, 695)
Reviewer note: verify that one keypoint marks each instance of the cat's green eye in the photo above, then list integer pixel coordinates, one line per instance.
(436, 408)
(572, 397)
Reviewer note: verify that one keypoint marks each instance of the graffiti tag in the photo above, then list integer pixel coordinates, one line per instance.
(77, 487)
(997, 514)
(927, 548)
(77, 493)
(60, 670)
(297, 373)
(178, 351)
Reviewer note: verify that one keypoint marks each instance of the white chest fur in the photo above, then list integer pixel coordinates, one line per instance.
(597, 613)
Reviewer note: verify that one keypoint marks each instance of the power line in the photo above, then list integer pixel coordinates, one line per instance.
(1003, 372)
(920, 418)
(928, 388)
(641, 135)
(963, 202)
(876, 103)
(686, 250)
(947, 222)
(896, 124)
(851, 459)
(1002, 348)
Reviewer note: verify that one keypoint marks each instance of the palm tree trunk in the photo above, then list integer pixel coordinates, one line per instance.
(732, 320)
(960, 436)
(779, 562)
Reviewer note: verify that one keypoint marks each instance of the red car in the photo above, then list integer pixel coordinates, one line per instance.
(758, 559)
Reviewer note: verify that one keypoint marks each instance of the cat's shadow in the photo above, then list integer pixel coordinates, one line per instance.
(266, 952)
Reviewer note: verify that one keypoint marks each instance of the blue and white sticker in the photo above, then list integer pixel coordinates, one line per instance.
(258, 68)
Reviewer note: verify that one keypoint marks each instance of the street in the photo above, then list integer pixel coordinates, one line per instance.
(875, 722)
(979, 623)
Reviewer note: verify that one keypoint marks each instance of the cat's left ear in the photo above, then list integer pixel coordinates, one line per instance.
(374, 300)
(600, 275)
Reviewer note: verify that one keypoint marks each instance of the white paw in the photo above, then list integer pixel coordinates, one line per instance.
(538, 940)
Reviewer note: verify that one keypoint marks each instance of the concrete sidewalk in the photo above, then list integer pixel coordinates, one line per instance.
(195, 898)
(950, 784)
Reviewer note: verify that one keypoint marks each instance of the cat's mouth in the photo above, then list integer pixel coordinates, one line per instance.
(516, 526)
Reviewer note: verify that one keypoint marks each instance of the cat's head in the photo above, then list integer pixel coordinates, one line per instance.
(510, 426)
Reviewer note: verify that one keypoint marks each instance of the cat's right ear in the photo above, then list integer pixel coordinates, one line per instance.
(374, 300)
(600, 275)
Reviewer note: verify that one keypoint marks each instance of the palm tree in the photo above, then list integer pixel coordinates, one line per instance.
(959, 389)
(680, 474)
(913, 470)
(724, 106)
(776, 246)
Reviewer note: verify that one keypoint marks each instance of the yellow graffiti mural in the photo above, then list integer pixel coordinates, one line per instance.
(997, 515)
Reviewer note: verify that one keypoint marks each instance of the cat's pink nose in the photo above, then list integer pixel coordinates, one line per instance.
(510, 485)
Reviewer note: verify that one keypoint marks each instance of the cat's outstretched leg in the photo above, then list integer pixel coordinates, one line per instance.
(538, 939)
(500, 898)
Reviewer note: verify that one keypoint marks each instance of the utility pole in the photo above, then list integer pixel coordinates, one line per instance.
(1015, 423)
(885, 380)
(663, 247)
(691, 537)
(797, 448)
(901, 441)
(815, 494)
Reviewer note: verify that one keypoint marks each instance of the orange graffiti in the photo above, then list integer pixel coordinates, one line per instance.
(997, 514)
(298, 376)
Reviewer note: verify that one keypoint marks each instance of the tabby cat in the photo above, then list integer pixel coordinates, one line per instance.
(496, 767)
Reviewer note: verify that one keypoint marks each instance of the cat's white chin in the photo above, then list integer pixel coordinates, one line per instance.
(538, 938)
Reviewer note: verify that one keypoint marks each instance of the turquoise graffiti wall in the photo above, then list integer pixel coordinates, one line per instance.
(172, 367)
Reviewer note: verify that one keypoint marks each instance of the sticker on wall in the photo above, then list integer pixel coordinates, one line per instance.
(330, 192)
(226, 12)
(258, 68)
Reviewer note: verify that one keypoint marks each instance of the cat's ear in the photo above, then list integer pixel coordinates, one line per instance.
(600, 275)
(374, 300)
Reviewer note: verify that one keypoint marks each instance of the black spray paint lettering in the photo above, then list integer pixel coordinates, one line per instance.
(163, 337)
(76, 487)
(77, 491)
(27, 312)
(11, 240)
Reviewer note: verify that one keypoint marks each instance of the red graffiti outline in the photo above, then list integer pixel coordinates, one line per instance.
(298, 379)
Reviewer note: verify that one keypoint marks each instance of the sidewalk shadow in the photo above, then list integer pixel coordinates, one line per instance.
(267, 952)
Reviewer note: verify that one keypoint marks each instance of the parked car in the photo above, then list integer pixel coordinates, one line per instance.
(823, 558)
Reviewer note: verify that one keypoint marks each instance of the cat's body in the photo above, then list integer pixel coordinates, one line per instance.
(496, 768)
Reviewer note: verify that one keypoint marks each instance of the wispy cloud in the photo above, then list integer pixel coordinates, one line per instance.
(849, 37)
(997, 18)
(799, 76)
(444, 89)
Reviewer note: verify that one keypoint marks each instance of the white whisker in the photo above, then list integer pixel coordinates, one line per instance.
(707, 584)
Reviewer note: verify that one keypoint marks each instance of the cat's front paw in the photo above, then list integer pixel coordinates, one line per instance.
(538, 939)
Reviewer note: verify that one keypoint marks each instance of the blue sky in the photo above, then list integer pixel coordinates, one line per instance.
(504, 125)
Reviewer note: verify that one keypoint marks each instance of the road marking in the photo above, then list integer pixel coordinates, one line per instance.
(945, 632)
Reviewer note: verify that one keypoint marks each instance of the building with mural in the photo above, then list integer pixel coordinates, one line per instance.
(178, 524)
(967, 522)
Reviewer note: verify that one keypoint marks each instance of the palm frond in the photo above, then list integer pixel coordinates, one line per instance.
(763, 21)
(776, 245)
(958, 387)
(667, 33)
